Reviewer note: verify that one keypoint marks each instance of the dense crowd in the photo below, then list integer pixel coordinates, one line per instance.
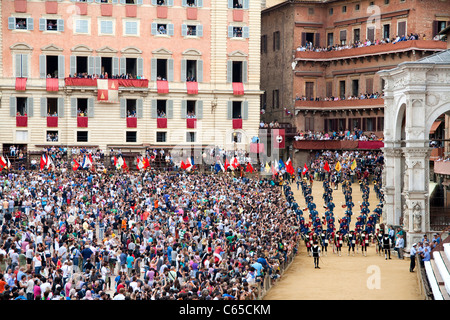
(358, 44)
(361, 96)
(354, 135)
(149, 235)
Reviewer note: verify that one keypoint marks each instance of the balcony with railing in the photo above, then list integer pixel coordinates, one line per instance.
(372, 51)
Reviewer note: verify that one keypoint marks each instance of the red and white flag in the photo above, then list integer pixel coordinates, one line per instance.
(140, 163)
(289, 167)
(188, 164)
(234, 163)
(108, 90)
(305, 169)
(43, 162)
(249, 167)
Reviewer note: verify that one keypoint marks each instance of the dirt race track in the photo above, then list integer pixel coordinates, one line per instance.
(344, 277)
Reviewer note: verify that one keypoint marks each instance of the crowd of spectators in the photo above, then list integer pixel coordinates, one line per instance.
(356, 135)
(361, 96)
(140, 236)
(358, 44)
(105, 75)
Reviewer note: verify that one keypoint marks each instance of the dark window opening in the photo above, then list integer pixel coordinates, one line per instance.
(21, 23)
(131, 67)
(310, 37)
(330, 11)
(162, 28)
(357, 7)
(22, 109)
(82, 65)
(236, 137)
(264, 44)
(161, 2)
(191, 3)
(237, 4)
(342, 89)
(237, 71)
(237, 32)
(237, 110)
(275, 99)
(131, 108)
(161, 108)
(160, 136)
(309, 90)
(131, 136)
(356, 35)
(82, 104)
(344, 9)
(276, 40)
(355, 87)
(191, 30)
(52, 66)
(52, 136)
(161, 69)
(82, 136)
(52, 25)
(190, 136)
(106, 66)
(130, 2)
(191, 70)
(190, 108)
(52, 107)
(330, 39)
(386, 31)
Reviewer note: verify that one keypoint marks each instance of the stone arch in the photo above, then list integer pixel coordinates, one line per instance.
(435, 113)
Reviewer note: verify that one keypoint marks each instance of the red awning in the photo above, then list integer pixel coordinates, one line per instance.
(131, 122)
(21, 121)
(192, 87)
(162, 86)
(21, 84)
(238, 88)
(106, 9)
(191, 13)
(52, 84)
(191, 123)
(161, 123)
(82, 122)
(52, 122)
(237, 123)
(434, 126)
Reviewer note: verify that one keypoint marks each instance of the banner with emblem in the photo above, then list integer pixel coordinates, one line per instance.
(278, 137)
(108, 90)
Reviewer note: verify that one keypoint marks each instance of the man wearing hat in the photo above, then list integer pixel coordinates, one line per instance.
(412, 256)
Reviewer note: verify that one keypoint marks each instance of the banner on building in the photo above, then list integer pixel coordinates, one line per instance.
(108, 90)
(278, 138)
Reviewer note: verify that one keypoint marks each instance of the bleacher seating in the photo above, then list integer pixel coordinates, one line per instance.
(438, 271)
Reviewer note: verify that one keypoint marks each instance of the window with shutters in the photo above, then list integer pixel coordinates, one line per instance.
(330, 39)
(131, 67)
(191, 70)
(380, 124)
(161, 136)
(82, 26)
(342, 89)
(371, 34)
(309, 90)
(81, 67)
(52, 136)
(82, 136)
(401, 28)
(369, 85)
(21, 67)
(131, 28)
(20, 24)
(161, 108)
(162, 28)
(309, 123)
(131, 136)
(106, 27)
(386, 31)
(21, 106)
(52, 107)
(51, 25)
(131, 106)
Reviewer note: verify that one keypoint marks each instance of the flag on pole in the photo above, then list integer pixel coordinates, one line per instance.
(217, 167)
(326, 166)
(338, 166)
(43, 162)
(146, 163)
(267, 168)
(124, 165)
(182, 165)
(249, 168)
(188, 164)
(139, 163)
(49, 163)
(280, 164)
(8, 165)
(75, 165)
(289, 167)
(234, 163)
(353, 166)
(274, 170)
(226, 165)
(305, 169)
(221, 166)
